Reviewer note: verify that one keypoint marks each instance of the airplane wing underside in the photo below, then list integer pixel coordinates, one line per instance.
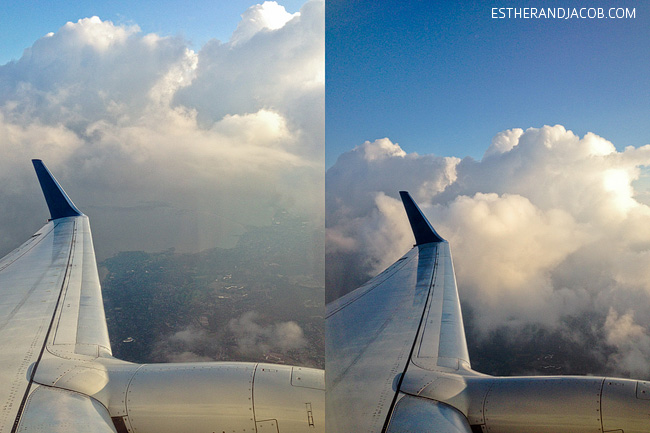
(406, 318)
(50, 305)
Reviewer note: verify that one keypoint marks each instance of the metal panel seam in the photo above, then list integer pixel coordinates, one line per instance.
(415, 340)
(600, 402)
(47, 334)
(427, 310)
(485, 401)
(64, 293)
(126, 398)
(253, 395)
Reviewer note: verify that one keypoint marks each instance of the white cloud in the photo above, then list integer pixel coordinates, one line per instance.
(632, 342)
(546, 226)
(163, 146)
(267, 16)
(254, 338)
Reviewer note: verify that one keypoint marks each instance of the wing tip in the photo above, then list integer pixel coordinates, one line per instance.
(58, 202)
(422, 230)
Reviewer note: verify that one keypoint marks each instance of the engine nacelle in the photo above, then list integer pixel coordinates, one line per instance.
(224, 397)
(542, 404)
(211, 397)
(626, 405)
(564, 404)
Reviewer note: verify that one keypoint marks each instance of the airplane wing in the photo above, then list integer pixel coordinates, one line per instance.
(50, 305)
(397, 362)
(408, 318)
(56, 369)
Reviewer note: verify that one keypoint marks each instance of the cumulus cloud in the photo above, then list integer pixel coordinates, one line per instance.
(187, 345)
(547, 226)
(254, 338)
(632, 342)
(251, 335)
(267, 16)
(160, 145)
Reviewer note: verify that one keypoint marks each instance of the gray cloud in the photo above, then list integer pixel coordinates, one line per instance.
(546, 227)
(188, 345)
(218, 138)
(250, 335)
(254, 338)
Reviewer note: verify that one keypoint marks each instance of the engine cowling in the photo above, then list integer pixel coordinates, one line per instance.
(225, 397)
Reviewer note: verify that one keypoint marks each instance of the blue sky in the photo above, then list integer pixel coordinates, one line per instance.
(444, 78)
(22, 23)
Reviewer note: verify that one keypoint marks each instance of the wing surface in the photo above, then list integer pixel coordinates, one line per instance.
(408, 315)
(50, 301)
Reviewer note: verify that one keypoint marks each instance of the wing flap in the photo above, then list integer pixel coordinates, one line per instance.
(80, 327)
(441, 343)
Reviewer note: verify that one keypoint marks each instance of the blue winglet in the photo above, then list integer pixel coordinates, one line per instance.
(57, 200)
(422, 230)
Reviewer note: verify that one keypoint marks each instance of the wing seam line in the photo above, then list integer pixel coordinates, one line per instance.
(21, 408)
(253, 394)
(408, 361)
